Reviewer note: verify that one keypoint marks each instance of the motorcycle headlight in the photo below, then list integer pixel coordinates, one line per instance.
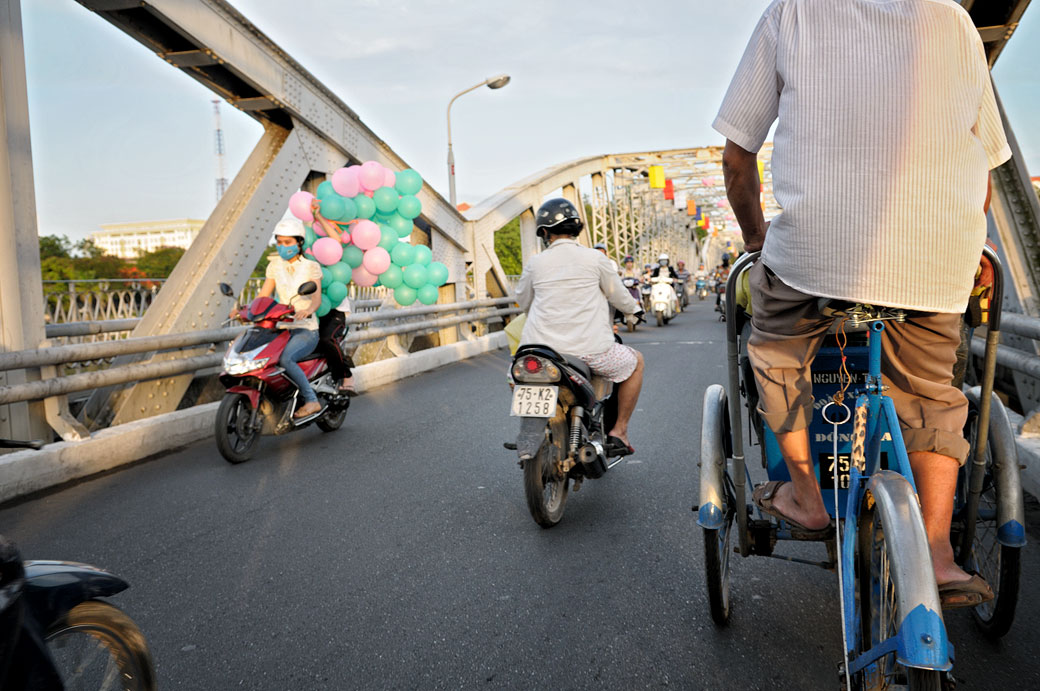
(242, 366)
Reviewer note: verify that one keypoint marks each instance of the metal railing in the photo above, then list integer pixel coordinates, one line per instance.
(411, 320)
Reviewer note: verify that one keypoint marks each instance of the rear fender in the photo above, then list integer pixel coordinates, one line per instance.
(249, 392)
(55, 587)
(1006, 473)
(530, 437)
(711, 512)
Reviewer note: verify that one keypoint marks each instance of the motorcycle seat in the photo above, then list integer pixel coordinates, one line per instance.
(578, 364)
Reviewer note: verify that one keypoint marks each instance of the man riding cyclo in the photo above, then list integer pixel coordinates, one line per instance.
(880, 165)
(565, 291)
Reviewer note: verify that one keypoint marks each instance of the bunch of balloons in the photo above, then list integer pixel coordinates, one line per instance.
(375, 209)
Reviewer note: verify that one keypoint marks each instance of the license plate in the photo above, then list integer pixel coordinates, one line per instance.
(534, 401)
(827, 471)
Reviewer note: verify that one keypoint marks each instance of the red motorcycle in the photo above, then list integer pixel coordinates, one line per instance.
(260, 399)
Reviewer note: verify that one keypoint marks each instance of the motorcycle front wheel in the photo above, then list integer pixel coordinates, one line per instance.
(97, 647)
(235, 437)
(544, 489)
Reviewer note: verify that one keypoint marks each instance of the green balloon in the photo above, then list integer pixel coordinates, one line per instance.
(409, 206)
(325, 307)
(336, 292)
(386, 200)
(325, 189)
(428, 294)
(408, 182)
(392, 277)
(352, 256)
(309, 236)
(401, 225)
(423, 255)
(416, 276)
(365, 206)
(338, 272)
(405, 296)
(326, 276)
(349, 210)
(403, 254)
(332, 207)
(438, 274)
(387, 238)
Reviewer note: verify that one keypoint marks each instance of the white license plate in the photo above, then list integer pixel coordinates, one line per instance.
(534, 401)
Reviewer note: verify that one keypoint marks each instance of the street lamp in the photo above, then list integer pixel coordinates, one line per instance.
(496, 82)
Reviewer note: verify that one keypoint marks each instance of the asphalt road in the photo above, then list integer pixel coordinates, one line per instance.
(398, 553)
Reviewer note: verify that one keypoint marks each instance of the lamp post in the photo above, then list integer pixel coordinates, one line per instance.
(496, 82)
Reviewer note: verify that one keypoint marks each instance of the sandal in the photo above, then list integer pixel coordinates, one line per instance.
(616, 447)
(970, 593)
(346, 386)
(307, 409)
(763, 496)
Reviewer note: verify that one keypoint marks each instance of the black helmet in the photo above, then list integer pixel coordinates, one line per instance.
(558, 217)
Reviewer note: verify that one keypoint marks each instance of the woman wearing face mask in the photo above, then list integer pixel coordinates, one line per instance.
(285, 274)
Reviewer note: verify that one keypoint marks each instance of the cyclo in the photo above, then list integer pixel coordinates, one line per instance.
(892, 626)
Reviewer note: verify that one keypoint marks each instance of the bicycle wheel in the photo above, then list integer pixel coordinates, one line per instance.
(717, 551)
(96, 647)
(879, 612)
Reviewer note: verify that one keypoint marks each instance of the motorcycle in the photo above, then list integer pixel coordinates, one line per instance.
(702, 289)
(565, 413)
(680, 292)
(644, 293)
(55, 633)
(663, 300)
(260, 399)
(632, 284)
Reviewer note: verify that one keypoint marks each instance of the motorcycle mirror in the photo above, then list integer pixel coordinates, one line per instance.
(308, 288)
(225, 289)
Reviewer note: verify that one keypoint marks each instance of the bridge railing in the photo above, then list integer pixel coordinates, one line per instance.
(395, 322)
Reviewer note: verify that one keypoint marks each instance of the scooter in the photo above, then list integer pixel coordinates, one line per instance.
(565, 413)
(702, 289)
(55, 634)
(663, 300)
(680, 293)
(632, 283)
(644, 295)
(260, 399)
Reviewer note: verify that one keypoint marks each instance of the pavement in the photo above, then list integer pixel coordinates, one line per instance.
(398, 553)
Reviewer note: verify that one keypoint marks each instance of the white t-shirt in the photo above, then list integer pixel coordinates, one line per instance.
(887, 128)
(288, 277)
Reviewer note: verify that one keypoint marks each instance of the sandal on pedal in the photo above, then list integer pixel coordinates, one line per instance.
(763, 496)
(970, 593)
(616, 447)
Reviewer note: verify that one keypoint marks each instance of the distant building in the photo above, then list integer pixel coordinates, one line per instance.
(130, 240)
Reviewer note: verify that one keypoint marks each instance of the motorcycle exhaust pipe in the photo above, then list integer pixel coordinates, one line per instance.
(593, 460)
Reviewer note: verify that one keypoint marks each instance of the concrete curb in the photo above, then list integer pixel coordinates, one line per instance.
(24, 472)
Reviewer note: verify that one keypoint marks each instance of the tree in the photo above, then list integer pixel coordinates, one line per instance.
(55, 246)
(159, 263)
(507, 247)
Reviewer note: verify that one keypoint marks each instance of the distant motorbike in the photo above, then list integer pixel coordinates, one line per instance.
(565, 413)
(702, 289)
(644, 293)
(680, 293)
(260, 399)
(56, 635)
(663, 300)
(632, 284)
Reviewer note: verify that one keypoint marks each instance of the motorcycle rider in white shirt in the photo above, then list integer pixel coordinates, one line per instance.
(565, 291)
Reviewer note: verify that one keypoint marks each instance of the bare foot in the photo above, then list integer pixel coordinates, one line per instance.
(623, 436)
(950, 573)
(813, 518)
(307, 409)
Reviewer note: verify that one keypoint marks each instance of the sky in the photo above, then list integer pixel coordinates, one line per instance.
(118, 135)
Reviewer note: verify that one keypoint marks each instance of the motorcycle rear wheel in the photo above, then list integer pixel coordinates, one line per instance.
(235, 441)
(333, 420)
(98, 647)
(545, 491)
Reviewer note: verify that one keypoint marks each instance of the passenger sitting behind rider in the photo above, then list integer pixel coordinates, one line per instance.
(565, 291)
(285, 274)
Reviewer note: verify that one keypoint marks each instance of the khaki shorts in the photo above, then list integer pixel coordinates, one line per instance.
(616, 364)
(917, 363)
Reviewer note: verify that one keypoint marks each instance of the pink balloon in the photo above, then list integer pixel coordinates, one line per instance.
(389, 179)
(365, 235)
(318, 230)
(376, 261)
(371, 175)
(327, 251)
(362, 277)
(300, 206)
(345, 181)
(368, 193)
(344, 237)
